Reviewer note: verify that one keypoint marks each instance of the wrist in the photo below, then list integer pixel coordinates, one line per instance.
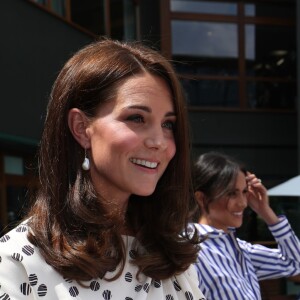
(269, 216)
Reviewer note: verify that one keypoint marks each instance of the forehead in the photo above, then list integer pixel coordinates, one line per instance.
(145, 90)
(144, 84)
(240, 178)
(140, 90)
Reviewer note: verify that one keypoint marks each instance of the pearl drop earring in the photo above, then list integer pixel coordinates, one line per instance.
(86, 162)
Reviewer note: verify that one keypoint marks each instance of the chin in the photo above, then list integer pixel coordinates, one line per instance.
(238, 225)
(145, 192)
(144, 189)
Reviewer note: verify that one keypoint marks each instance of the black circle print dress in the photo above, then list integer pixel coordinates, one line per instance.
(24, 275)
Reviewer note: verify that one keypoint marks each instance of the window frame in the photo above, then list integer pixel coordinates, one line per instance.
(241, 20)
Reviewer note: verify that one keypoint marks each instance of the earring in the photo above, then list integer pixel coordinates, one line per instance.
(86, 163)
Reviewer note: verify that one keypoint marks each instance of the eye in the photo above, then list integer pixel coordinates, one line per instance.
(169, 125)
(136, 118)
(232, 194)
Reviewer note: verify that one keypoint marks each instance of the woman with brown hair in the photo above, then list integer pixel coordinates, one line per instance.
(108, 219)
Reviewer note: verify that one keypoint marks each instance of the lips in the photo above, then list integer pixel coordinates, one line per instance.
(144, 163)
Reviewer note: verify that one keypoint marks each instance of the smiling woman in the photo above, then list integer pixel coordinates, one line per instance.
(229, 268)
(128, 142)
(111, 211)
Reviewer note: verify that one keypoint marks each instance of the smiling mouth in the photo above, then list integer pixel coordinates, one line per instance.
(144, 163)
(238, 213)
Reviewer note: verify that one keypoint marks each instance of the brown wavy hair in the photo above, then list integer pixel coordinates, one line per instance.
(77, 233)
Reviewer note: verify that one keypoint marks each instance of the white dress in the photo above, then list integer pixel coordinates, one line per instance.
(24, 275)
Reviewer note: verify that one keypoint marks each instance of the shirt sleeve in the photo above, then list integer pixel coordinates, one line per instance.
(282, 261)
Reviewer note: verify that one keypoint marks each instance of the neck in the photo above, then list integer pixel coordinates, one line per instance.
(205, 220)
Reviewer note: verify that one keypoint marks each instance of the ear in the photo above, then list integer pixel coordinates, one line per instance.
(199, 196)
(78, 123)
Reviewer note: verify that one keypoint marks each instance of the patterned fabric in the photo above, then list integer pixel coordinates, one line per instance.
(25, 275)
(229, 268)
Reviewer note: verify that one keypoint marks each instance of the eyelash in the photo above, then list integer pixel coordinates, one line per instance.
(140, 119)
(169, 125)
(136, 118)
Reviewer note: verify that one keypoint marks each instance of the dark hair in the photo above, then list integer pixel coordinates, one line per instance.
(77, 233)
(215, 174)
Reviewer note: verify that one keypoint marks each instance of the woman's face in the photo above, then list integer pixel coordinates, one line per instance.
(228, 210)
(132, 139)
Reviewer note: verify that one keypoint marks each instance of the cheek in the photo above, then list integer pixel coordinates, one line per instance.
(221, 205)
(232, 204)
(171, 149)
(124, 140)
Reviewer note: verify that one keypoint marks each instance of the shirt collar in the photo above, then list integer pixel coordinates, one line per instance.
(212, 232)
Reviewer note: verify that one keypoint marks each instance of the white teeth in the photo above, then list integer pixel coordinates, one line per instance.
(145, 163)
(238, 213)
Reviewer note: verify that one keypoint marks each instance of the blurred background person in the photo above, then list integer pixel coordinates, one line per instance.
(228, 267)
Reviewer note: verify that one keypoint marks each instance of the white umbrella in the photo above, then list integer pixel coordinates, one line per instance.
(287, 188)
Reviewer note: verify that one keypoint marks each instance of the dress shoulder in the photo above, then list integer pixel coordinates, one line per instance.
(24, 274)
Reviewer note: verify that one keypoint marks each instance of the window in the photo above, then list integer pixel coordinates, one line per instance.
(206, 7)
(18, 182)
(233, 54)
(270, 66)
(113, 18)
(57, 6)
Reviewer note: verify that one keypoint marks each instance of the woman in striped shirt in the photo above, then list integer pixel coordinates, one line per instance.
(230, 268)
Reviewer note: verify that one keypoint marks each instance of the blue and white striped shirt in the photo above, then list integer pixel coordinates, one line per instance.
(230, 268)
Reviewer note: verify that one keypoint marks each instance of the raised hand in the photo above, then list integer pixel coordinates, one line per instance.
(258, 199)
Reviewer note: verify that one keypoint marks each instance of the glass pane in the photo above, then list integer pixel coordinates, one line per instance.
(58, 6)
(13, 165)
(222, 93)
(16, 202)
(123, 19)
(204, 39)
(208, 66)
(271, 94)
(130, 20)
(280, 9)
(89, 14)
(271, 51)
(117, 19)
(205, 7)
(43, 2)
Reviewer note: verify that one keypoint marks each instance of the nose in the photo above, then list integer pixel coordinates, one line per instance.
(243, 202)
(156, 139)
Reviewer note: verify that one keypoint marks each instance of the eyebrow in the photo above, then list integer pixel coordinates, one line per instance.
(149, 110)
(237, 190)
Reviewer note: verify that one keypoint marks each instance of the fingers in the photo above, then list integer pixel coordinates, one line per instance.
(255, 186)
(252, 180)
